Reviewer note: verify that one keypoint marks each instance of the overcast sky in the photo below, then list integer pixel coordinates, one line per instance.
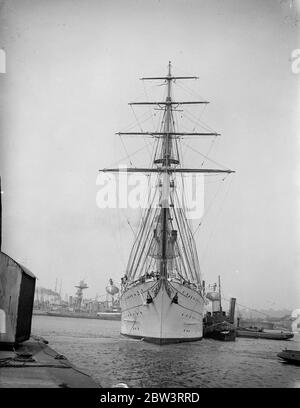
(72, 67)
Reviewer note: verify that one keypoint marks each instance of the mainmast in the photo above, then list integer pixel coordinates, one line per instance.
(167, 149)
(166, 166)
(168, 145)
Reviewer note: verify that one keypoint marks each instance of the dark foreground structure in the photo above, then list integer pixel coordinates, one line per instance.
(33, 364)
(27, 361)
(17, 285)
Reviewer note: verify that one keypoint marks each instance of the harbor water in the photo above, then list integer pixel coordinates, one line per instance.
(97, 347)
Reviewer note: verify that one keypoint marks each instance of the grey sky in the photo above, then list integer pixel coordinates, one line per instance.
(72, 66)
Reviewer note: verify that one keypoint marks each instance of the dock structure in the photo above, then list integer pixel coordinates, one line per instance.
(33, 364)
(17, 285)
(26, 361)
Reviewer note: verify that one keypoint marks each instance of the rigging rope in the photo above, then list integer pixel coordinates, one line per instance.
(132, 125)
(197, 121)
(210, 205)
(128, 157)
(247, 307)
(216, 219)
(203, 155)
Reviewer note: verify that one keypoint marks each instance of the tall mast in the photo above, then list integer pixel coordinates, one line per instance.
(165, 165)
(166, 148)
(219, 279)
(168, 120)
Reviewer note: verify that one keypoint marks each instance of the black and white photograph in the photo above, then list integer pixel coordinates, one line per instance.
(150, 197)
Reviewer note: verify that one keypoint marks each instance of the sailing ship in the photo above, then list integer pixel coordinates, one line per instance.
(162, 295)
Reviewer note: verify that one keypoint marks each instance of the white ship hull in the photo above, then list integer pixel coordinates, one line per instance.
(162, 320)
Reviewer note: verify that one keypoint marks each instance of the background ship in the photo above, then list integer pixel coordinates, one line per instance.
(50, 303)
(113, 311)
(162, 294)
(217, 324)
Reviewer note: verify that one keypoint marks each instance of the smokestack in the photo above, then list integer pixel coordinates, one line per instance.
(0, 215)
(232, 310)
(219, 279)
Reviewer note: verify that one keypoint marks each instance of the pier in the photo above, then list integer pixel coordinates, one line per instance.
(33, 364)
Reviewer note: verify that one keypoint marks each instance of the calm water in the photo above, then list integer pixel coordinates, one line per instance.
(97, 347)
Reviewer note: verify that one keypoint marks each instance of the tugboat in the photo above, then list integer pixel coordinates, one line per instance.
(290, 356)
(216, 324)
